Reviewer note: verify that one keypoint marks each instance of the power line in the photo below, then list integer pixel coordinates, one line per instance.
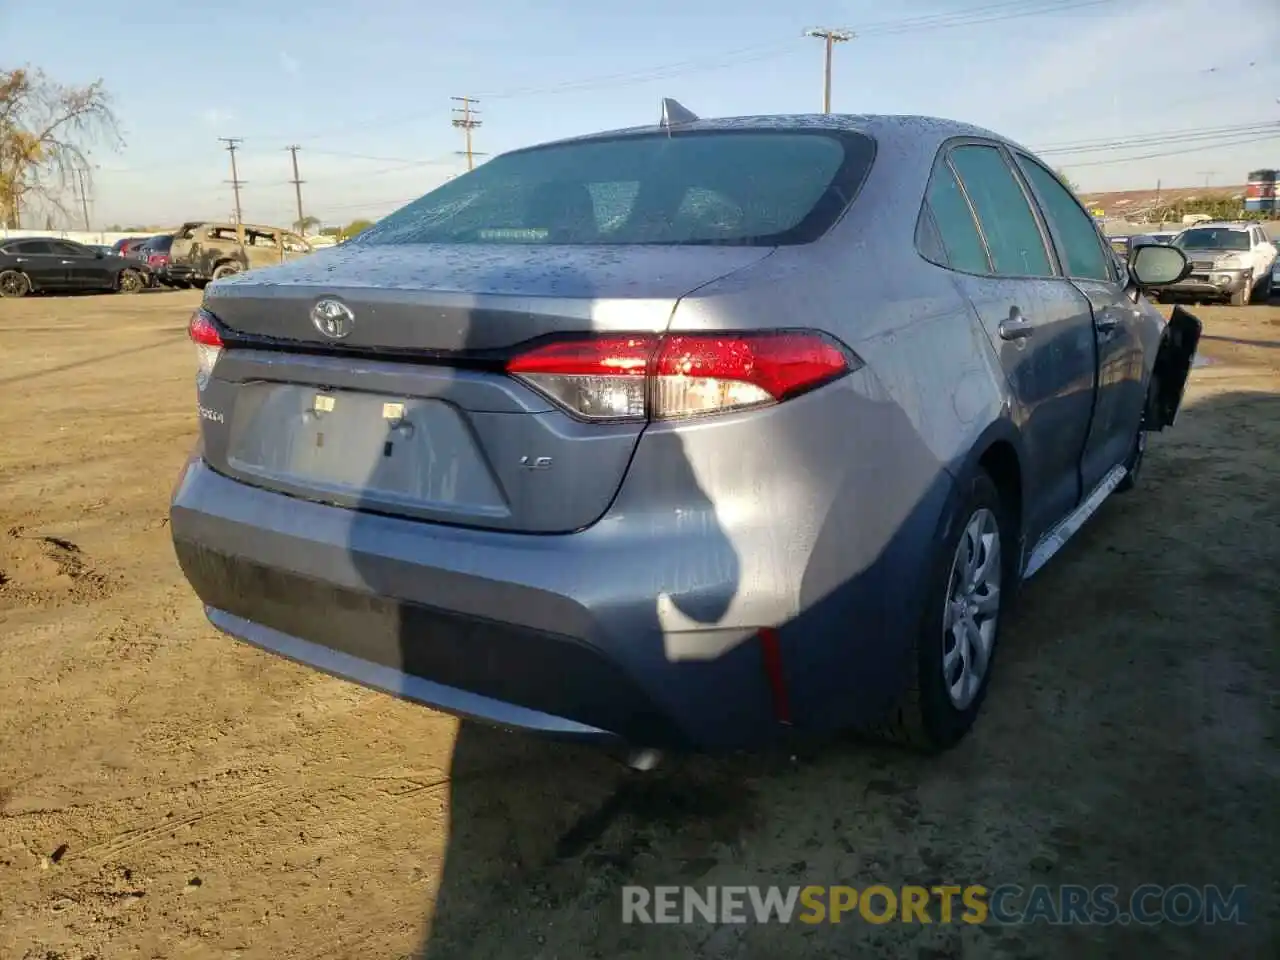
(1160, 137)
(744, 55)
(830, 38)
(1175, 153)
(297, 186)
(465, 119)
(977, 15)
(233, 143)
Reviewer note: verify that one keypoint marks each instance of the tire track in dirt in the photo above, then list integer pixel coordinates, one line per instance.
(385, 787)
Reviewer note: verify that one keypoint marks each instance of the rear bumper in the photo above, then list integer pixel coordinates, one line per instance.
(566, 643)
(181, 271)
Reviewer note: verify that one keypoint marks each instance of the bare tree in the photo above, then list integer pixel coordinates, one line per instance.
(46, 132)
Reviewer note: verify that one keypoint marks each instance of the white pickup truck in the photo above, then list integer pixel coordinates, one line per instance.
(1229, 261)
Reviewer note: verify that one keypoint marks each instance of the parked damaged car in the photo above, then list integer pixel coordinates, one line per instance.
(691, 435)
(204, 251)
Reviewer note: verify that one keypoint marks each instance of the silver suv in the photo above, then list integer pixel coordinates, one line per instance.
(1229, 261)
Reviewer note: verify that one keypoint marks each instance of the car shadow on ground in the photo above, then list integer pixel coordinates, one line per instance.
(1127, 740)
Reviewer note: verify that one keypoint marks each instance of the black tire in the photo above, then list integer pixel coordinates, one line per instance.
(1244, 295)
(1133, 465)
(925, 717)
(199, 284)
(225, 270)
(14, 283)
(131, 281)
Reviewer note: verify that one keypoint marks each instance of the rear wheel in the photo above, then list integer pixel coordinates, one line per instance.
(1133, 465)
(225, 270)
(14, 283)
(131, 281)
(955, 642)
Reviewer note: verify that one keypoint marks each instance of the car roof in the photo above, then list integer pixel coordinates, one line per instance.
(1220, 225)
(927, 131)
(223, 224)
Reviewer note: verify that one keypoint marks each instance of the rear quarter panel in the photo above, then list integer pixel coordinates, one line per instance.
(872, 466)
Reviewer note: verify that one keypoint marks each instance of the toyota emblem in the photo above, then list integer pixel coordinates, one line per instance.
(333, 318)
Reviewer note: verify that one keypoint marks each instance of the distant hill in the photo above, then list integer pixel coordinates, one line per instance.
(1131, 203)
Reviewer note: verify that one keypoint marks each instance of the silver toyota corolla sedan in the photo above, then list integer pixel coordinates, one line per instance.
(678, 436)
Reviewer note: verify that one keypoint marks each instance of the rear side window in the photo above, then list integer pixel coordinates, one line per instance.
(36, 247)
(1012, 233)
(756, 188)
(1083, 254)
(957, 231)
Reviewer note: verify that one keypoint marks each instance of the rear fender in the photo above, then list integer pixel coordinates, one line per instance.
(1172, 368)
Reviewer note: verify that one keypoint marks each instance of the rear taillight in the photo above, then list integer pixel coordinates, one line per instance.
(203, 331)
(664, 377)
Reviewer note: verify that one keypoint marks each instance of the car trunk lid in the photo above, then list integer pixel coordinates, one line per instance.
(453, 299)
(409, 413)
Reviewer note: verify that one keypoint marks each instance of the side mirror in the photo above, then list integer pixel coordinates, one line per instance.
(1158, 266)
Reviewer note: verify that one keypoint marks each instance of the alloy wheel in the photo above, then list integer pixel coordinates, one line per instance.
(973, 608)
(12, 284)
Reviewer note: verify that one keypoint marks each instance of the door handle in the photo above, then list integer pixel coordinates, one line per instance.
(1017, 327)
(1106, 320)
(68, 263)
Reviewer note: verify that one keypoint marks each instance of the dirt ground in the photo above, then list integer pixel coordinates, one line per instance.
(167, 792)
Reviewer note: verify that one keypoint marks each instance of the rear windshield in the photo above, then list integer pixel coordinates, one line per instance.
(716, 187)
(159, 244)
(1206, 238)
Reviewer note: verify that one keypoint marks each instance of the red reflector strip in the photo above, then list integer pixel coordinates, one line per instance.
(771, 652)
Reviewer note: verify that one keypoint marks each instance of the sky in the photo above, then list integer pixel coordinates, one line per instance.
(364, 88)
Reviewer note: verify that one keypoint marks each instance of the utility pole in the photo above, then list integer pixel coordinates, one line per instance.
(233, 144)
(830, 38)
(84, 200)
(1207, 174)
(464, 117)
(297, 187)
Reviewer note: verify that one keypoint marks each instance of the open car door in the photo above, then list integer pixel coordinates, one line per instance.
(1177, 353)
